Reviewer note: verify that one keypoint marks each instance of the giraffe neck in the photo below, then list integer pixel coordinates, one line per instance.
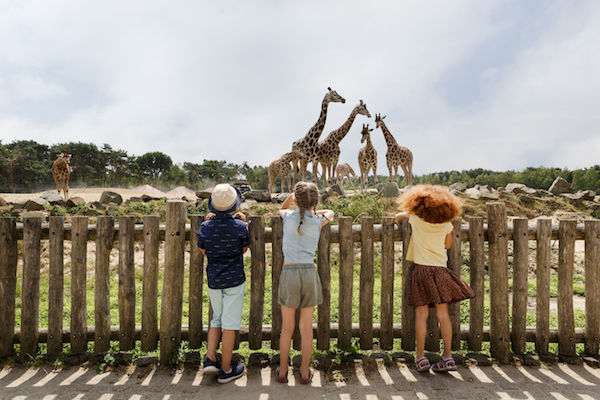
(341, 132)
(317, 129)
(369, 144)
(389, 139)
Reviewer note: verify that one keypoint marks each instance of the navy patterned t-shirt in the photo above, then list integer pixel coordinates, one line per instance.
(223, 239)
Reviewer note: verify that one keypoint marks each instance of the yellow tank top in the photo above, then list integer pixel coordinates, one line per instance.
(427, 243)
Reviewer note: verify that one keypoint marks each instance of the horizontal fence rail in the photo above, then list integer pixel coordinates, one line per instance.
(488, 246)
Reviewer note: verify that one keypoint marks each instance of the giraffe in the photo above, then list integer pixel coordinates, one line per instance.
(396, 155)
(329, 149)
(306, 148)
(281, 167)
(61, 172)
(367, 158)
(344, 170)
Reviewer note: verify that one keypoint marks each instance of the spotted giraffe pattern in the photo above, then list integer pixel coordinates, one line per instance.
(306, 149)
(329, 149)
(396, 155)
(367, 158)
(281, 168)
(61, 172)
(342, 171)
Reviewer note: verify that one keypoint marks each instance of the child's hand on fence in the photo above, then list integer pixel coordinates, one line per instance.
(240, 215)
(209, 216)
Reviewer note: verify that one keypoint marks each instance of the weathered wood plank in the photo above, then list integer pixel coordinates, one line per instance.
(150, 283)
(455, 264)
(498, 267)
(8, 283)
(78, 284)
(56, 285)
(566, 262)
(346, 282)
(592, 286)
(104, 244)
(126, 283)
(520, 270)
(387, 284)
(172, 293)
(256, 229)
(366, 284)
(30, 289)
(324, 309)
(477, 278)
(195, 289)
(542, 319)
(408, 311)
(277, 263)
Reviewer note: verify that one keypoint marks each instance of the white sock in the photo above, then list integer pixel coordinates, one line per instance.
(228, 372)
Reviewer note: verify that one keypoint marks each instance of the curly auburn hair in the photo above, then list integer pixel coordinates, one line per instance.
(432, 203)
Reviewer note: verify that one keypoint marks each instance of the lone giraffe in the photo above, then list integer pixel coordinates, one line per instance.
(61, 172)
(396, 155)
(342, 171)
(367, 158)
(282, 168)
(329, 149)
(306, 149)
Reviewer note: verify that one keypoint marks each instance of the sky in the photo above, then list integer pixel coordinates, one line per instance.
(495, 84)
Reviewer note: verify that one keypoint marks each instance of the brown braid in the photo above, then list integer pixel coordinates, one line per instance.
(307, 197)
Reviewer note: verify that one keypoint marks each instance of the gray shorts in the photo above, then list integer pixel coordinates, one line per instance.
(300, 286)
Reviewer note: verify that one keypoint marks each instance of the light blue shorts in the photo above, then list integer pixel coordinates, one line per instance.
(227, 305)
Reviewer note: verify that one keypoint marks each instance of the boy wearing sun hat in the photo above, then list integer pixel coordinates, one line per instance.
(223, 238)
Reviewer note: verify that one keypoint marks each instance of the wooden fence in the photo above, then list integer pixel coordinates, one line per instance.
(503, 337)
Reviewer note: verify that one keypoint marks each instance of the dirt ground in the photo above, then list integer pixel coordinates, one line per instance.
(88, 194)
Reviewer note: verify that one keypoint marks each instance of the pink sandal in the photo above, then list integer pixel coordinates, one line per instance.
(421, 366)
(444, 365)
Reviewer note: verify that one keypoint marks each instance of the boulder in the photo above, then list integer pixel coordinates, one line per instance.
(133, 199)
(482, 192)
(258, 195)
(146, 361)
(111, 197)
(204, 193)
(74, 202)
(576, 199)
(588, 195)
(146, 198)
(519, 188)
(279, 197)
(390, 190)
(53, 198)
(458, 186)
(560, 185)
(3, 202)
(337, 189)
(36, 204)
(543, 193)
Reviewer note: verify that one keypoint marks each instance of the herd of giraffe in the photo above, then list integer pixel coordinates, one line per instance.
(327, 152)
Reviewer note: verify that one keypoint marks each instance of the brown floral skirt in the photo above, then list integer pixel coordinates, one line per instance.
(431, 285)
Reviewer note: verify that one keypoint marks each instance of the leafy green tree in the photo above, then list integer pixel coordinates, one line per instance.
(153, 165)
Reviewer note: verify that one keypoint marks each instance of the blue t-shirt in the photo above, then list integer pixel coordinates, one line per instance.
(223, 239)
(300, 248)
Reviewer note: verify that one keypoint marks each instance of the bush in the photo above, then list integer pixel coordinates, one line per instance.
(359, 205)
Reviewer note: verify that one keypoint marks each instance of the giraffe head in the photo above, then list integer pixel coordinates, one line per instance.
(365, 132)
(379, 120)
(333, 97)
(65, 156)
(361, 108)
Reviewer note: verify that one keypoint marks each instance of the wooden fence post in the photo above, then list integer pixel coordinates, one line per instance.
(387, 284)
(30, 291)
(520, 270)
(196, 281)
(592, 286)
(56, 284)
(277, 264)
(150, 283)
(408, 311)
(477, 278)
(324, 309)
(79, 231)
(366, 284)
(257, 281)
(542, 319)
(172, 294)
(346, 278)
(566, 260)
(126, 283)
(8, 283)
(455, 264)
(105, 236)
(498, 267)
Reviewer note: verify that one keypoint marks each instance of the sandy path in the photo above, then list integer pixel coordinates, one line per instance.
(89, 194)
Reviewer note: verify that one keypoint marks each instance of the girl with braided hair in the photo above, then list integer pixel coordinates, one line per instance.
(299, 284)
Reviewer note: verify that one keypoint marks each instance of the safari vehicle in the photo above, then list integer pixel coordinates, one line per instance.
(242, 186)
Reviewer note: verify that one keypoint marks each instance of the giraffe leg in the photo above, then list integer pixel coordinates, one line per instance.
(375, 174)
(66, 187)
(315, 170)
(289, 182)
(406, 174)
(56, 181)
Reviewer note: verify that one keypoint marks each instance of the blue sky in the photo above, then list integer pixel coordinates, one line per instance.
(464, 84)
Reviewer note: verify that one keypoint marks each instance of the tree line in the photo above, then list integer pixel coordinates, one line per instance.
(25, 166)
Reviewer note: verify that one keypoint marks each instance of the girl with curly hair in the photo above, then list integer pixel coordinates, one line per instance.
(430, 211)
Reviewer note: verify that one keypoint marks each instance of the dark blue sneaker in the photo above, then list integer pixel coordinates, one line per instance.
(237, 371)
(210, 366)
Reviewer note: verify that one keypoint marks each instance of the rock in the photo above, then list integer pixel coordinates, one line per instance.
(53, 198)
(403, 357)
(6, 209)
(592, 360)
(260, 360)
(588, 195)
(573, 198)
(519, 188)
(432, 357)
(324, 195)
(478, 359)
(110, 197)
(111, 209)
(279, 197)
(489, 196)
(323, 362)
(237, 358)
(526, 199)
(379, 355)
(3, 202)
(335, 188)
(458, 186)
(531, 360)
(146, 198)
(549, 358)
(133, 199)
(38, 204)
(560, 185)
(38, 214)
(390, 190)
(544, 193)
(482, 192)
(204, 193)
(74, 202)
(244, 206)
(146, 361)
(124, 358)
(193, 358)
(296, 361)
(571, 360)
(258, 195)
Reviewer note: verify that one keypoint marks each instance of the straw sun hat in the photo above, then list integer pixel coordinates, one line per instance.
(224, 198)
